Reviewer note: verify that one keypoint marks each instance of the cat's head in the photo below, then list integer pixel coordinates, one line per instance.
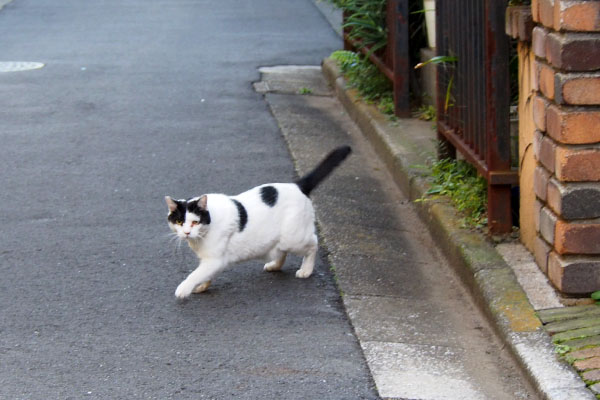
(189, 219)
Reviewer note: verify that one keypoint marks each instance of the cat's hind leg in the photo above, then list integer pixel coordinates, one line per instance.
(278, 260)
(308, 262)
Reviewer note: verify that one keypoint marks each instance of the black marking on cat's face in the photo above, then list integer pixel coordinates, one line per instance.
(177, 217)
(194, 207)
(269, 195)
(243, 215)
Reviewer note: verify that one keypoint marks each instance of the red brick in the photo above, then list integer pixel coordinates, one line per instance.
(541, 251)
(577, 89)
(546, 79)
(539, 41)
(585, 353)
(546, 152)
(575, 164)
(574, 275)
(579, 15)
(577, 237)
(538, 136)
(525, 24)
(573, 51)
(540, 182)
(537, 208)
(535, 10)
(540, 108)
(589, 363)
(546, 13)
(519, 23)
(573, 126)
(592, 375)
(574, 200)
(553, 196)
(548, 221)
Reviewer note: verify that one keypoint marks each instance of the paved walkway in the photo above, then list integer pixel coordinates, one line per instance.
(422, 336)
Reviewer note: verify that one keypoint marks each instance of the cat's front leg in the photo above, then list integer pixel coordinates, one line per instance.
(200, 276)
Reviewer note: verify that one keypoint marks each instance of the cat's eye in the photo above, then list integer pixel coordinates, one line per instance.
(179, 222)
(195, 223)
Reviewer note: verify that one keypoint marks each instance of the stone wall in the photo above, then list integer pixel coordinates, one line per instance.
(566, 142)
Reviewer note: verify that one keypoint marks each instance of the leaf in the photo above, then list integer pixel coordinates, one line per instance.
(437, 60)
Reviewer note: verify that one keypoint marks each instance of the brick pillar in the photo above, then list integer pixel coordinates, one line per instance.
(566, 112)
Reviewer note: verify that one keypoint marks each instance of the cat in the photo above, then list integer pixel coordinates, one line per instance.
(265, 222)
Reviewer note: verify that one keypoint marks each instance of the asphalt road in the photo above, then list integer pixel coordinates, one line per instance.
(140, 99)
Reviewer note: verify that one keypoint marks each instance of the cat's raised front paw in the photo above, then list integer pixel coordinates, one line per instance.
(183, 290)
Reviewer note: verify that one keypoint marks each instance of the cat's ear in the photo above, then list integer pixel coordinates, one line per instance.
(202, 201)
(171, 203)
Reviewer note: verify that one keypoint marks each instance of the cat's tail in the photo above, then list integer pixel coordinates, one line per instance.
(310, 181)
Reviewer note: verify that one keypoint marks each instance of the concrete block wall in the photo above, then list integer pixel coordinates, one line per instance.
(566, 143)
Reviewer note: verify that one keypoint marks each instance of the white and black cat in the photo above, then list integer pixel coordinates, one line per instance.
(265, 222)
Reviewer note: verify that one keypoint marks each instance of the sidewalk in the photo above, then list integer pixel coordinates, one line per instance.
(422, 335)
(495, 275)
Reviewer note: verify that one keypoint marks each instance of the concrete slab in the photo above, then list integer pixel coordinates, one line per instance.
(292, 79)
(412, 371)
(408, 321)
(535, 284)
(377, 276)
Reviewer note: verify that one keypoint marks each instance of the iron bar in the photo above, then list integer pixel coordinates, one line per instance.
(477, 122)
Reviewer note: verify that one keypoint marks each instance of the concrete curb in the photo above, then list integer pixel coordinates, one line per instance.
(491, 281)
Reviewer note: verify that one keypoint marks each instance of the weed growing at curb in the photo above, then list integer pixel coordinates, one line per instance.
(372, 86)
(426, 113)
(467, 190)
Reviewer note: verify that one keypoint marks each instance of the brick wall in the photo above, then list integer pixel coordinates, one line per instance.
(566, 144)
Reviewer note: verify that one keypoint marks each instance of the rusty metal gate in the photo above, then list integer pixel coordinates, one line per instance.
(474, 96)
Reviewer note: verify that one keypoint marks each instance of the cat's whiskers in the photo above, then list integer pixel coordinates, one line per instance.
(173, 237)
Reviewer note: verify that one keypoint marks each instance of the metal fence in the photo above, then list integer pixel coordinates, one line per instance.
(473, 92)
(394, 60)
(474, 96)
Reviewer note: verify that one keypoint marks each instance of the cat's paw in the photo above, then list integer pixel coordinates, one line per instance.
(303, 273)
(272, 266)
(183, 290)
(201, 287)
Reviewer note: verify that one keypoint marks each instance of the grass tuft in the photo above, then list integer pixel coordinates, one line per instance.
(466, 189)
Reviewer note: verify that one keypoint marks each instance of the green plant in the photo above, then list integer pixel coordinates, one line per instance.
(365, 22)
(426, 113)
(305, 90)
(444, 60)
(386, 104)
(562, 349)
(361, 74)
(466, 189)
(437, 60)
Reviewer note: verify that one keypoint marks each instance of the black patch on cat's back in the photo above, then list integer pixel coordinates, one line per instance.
(269, 195)
(243, 215)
